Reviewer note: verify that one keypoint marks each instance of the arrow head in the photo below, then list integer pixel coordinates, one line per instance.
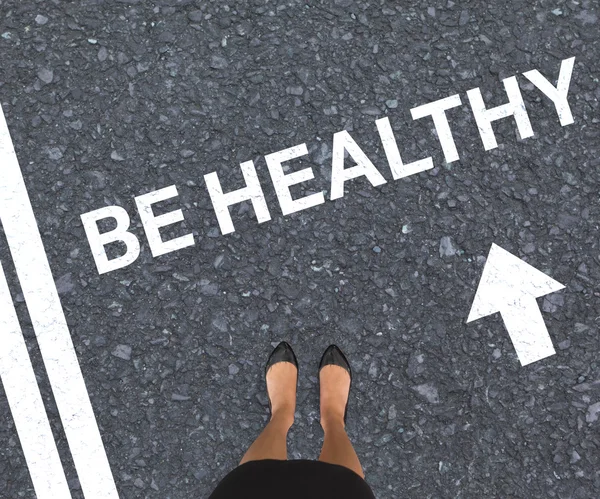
(505, 280)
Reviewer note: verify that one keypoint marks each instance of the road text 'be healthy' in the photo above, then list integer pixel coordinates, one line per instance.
(343, 144)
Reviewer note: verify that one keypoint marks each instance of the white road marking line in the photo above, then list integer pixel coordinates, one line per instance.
(26, 405)
(51, 327)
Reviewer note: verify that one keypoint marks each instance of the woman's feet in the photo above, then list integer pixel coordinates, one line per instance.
(334, 379)
(281, 377)
(281, 381)
(335, 376)
(335, 389)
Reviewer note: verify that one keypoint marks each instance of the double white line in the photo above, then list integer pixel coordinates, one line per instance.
(56, 347)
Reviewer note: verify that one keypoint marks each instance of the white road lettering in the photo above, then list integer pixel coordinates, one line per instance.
(152, 223)
(343, 144)
(98, 241)
(282, 182)
(221, 202)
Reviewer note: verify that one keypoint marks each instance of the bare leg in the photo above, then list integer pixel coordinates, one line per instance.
(272, 442)
(337, 448)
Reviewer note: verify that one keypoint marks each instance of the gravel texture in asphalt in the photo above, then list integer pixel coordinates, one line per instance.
(106, 101)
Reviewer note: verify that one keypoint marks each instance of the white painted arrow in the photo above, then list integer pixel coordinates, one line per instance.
(510, 286)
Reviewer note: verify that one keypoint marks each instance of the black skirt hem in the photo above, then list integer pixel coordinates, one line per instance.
(292, 479)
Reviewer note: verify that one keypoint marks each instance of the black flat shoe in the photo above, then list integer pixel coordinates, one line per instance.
(333, 355)
(282, 353)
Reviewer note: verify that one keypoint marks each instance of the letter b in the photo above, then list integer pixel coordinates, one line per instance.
(97, 241)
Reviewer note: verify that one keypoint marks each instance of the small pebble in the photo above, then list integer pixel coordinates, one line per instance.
(179, 398)
(447, 247)
(102, 54)
(195, 16)
(122, 352)
(294, 90)
(116, 156)
(218, 62)
(563, 345)
(55, 153)
(428, 391)
(46, 75)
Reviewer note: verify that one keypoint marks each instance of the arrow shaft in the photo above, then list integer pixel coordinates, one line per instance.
(527, 330)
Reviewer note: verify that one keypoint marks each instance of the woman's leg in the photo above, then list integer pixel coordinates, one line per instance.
(272, 442)
(337, 448)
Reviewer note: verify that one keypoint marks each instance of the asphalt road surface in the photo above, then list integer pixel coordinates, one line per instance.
(108, 101)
